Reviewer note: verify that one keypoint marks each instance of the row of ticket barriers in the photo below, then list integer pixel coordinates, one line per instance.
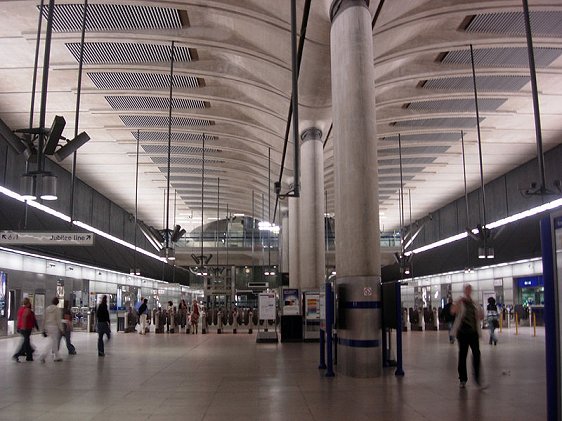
(217, 320)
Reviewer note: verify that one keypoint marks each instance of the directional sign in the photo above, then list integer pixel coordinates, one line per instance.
(47, 238)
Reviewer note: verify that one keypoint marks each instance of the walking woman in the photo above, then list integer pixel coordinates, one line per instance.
(26, 323)
(52, 328)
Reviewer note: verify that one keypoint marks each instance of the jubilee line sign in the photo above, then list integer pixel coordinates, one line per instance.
(47, 238)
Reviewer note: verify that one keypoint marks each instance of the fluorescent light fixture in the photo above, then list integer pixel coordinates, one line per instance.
(212, 219)
(237, 214)
(27, 186)
(48, 187)
(333, 272)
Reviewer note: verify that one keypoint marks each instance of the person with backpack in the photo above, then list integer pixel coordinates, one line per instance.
(449, 318)
(143, 311)
(492, 319)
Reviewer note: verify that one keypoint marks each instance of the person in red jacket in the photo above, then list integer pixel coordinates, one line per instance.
(26, 323)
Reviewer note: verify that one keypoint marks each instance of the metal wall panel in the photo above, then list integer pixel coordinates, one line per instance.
(100, 212)
(448, 222)
(116, 220)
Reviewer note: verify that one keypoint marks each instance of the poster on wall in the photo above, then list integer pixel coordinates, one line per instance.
(266, 302)
(39, 304)
(312, 306)
(3, 294)
(291, 302)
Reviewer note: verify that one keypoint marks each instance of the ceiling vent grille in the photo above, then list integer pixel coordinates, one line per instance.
(121, 52)
(424, 137)
(543, 23)
(126, 80)
(484, 83)
(177, 150)
(152, 103)
(457, 105)
(188, 170)
(407, 161)
(113, 17)
(503, 57)
(461, 122)
(393, 179)
(161, 121)
(397, 170)
(184, 160)
(175, 178)
(176, 137)
(415, 150)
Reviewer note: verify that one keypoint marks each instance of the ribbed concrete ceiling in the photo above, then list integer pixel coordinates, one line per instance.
(232, 85)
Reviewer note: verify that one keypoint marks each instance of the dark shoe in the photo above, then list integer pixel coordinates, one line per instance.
(72, 353)
(16, 358)
(495, 343)
(462, 385)
(57, 360)
(101, 354)
(28, 359)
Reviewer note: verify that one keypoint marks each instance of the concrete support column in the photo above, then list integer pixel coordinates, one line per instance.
(284, 241)
(311, 219)
(356, 188)
(294, 269)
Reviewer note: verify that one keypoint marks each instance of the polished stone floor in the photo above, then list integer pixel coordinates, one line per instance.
(230, 377)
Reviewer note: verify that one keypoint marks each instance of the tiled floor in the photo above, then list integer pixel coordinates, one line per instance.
(230, 377)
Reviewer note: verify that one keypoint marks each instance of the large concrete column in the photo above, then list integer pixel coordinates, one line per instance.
(294, 269)
(356, 187)
(311, 248)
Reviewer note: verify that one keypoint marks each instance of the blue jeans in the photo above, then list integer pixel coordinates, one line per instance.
(103, 328)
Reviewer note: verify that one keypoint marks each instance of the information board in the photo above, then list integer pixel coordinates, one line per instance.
(312, 306)
(266, 306)
(291, 302)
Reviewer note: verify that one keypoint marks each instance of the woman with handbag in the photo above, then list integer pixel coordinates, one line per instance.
(492, 318)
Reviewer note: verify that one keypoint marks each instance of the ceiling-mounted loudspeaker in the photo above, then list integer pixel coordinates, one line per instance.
(15, 142)
(54, 135)
(72, 146)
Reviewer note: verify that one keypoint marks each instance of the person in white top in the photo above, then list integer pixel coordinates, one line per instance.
(52, 328)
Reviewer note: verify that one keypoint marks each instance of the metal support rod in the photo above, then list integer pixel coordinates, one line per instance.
(465, 200)
(136, 200)
(535, 94)
(227, 232)
(218, 216)
(326, 220)
(77, 115)
(45, 85)
(169, 143)
(253, 235)
(479, 137)
(269, 207)
(295, 98)
(402, 229)
(36, 65)
(202, 190)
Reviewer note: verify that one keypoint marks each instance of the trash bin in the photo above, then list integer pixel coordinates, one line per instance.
(121, 321)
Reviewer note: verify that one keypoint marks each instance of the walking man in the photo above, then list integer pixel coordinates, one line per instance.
(467, 330)
(103, 326)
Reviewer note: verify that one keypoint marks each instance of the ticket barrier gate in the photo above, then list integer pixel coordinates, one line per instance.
(430, 321)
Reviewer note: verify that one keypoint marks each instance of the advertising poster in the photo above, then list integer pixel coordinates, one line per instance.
(266, 306)
(39, 304)
(2, 294)
(312, 306)
(291, 302)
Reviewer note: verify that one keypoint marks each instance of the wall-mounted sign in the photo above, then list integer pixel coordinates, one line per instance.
(47, 238)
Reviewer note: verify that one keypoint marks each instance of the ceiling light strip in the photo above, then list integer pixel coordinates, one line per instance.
(66, 218)
(513, 218)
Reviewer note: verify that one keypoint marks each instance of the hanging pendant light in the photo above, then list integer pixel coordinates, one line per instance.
(48, 186)
(28, 187)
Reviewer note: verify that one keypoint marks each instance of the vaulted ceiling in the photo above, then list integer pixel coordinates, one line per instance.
(232, 90)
